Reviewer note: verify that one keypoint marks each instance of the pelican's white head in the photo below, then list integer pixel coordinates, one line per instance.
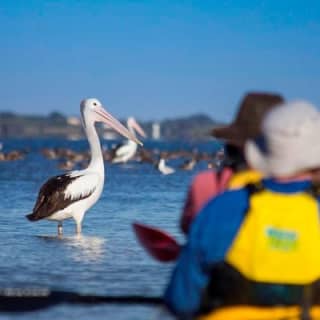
(88, 107)
(92, 111)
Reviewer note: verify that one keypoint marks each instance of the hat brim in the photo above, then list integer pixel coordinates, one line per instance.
(231, 134)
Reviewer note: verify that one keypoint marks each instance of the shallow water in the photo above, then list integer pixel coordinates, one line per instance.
(107, 259)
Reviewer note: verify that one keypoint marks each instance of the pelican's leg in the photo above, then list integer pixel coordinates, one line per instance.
(78, 228)
(60, 228)
(78, 217)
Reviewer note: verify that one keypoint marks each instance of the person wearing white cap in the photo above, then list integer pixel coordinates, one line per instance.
(290, 141)
(260, 244)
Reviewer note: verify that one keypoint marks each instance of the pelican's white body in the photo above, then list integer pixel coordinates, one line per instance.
(128, 150)
(88, 180)
(125, 152)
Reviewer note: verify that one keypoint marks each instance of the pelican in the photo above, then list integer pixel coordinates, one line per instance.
(126, 151)
(71, 194)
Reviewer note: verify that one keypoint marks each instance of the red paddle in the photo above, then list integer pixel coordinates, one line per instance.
(157, 243)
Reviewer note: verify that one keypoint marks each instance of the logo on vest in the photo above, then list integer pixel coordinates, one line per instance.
(280, 239)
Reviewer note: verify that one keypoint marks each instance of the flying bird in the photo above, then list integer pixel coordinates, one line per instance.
(70, 195)
(126, 151)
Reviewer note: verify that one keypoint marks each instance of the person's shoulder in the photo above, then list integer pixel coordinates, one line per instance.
(230, 201)
(204, 175)
(230, 196)
(210, 175)
(226, 209)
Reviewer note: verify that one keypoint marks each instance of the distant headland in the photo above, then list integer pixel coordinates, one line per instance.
(56, 124)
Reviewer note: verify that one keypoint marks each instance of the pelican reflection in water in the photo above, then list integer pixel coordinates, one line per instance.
(83, 248)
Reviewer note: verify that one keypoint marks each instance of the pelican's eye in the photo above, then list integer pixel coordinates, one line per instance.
(95, 104)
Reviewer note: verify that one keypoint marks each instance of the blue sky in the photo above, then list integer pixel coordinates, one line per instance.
(156, 59)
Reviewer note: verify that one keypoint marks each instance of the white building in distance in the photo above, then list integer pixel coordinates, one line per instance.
(156, 130)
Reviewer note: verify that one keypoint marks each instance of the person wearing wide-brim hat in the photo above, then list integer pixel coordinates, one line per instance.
(246, 125)
(259, 244)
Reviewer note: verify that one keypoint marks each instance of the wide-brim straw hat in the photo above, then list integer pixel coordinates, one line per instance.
(247, 124)
(289, 143)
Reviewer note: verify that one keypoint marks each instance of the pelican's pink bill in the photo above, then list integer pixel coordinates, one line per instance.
(107, 118)
(137, 127)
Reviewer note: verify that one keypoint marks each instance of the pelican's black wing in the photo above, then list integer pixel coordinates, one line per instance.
(53, 197)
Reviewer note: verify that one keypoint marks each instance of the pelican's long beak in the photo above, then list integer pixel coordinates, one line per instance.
(137, 127)
(108, 119)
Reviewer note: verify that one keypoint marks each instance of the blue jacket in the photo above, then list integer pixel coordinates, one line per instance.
(210, 237)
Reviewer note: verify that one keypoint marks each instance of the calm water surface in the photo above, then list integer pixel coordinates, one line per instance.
(107, 259)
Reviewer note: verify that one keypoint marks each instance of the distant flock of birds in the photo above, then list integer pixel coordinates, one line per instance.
(12, 155)
(124, 152)
(69, 159)
(71, 194)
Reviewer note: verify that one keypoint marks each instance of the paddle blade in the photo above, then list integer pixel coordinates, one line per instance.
(159, 244)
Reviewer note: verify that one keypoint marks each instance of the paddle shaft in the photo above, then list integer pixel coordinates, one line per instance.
(19, 302)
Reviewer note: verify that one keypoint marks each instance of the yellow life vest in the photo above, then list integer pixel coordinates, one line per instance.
(279, 239)
(242, 178)
(260, 313)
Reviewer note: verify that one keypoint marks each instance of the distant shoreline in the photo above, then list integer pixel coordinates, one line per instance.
(56, 124)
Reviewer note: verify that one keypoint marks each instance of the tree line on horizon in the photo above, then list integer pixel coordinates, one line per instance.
(195, 126)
